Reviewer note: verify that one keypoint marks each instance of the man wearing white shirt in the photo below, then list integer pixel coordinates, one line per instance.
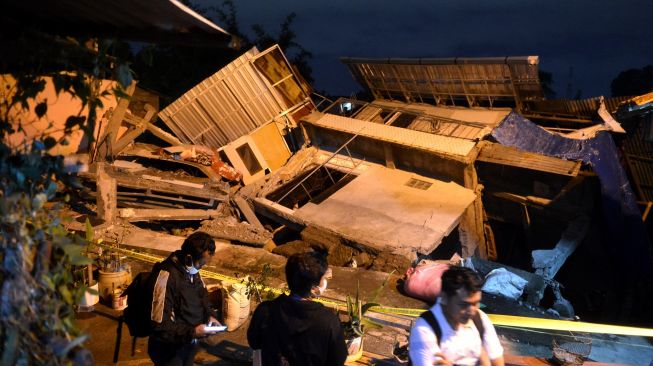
(456, 313)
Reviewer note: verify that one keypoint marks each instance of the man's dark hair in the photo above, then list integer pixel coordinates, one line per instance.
(456, 278)
(197, 243)
(304, 270)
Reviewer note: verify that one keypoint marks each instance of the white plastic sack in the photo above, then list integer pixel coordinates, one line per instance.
(502, 282)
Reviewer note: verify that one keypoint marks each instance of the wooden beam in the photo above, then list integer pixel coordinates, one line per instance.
(247, 211)
(109, 137)
(147, 214)
(389, 158)
(471, 227)
(138, 127)
(163, 135)
(507, 155)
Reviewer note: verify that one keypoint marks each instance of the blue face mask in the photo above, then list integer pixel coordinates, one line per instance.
(190, 266)
(192, 270)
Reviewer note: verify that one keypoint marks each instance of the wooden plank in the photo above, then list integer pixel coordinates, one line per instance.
(247, 211)
(108, 139)
(144, 214)
(506, 155)
(136, 182)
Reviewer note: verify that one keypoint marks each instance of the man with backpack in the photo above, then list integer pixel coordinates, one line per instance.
(293, 330)
(180, 304)
(455, 331)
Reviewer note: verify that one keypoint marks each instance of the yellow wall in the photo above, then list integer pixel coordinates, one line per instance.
(60, 107)
(269, 141)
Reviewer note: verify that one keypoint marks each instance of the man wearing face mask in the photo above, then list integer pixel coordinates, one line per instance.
(180, 304)
(293, 330)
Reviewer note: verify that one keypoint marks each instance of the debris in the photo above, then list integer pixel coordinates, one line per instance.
(228, 228)
(225, 170)
(339, 252)
(148, 180)
(502, 282)
(547, 262)
(534, 289)
(293, 247)
(247, 211)
(388, 261)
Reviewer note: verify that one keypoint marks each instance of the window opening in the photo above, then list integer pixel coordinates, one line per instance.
(419, 184)
(249, 159)
(313, 186)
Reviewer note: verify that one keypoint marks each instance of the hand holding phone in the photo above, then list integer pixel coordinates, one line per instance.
(215, 328)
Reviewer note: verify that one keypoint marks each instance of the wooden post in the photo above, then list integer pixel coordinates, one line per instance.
(389, 157)
(107, 195)
(471, 228)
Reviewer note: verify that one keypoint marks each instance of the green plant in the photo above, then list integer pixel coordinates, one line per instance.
(38, 256)
(254, 285)
(356, 323)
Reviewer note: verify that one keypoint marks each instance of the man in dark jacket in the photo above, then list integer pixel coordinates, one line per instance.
(293, 330)
(180, 304)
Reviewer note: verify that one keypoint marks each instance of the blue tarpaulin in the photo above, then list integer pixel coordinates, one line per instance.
(628, 240)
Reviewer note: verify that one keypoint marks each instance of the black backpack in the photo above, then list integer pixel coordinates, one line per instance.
(138, 313)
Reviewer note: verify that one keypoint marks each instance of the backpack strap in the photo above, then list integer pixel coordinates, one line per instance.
(478, 322)
(433, 323)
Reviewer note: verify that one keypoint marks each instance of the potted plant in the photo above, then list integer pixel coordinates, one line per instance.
(113, 275)
(357, 324)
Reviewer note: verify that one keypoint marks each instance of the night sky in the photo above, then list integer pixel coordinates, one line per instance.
(583, 43)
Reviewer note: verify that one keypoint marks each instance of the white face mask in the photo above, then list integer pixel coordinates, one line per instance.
(319, 290)
(192, 270)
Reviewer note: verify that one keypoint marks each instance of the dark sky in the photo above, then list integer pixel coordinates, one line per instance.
(597, 38)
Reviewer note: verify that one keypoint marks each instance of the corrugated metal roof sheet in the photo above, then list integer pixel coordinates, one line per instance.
(417, 139)
(230, 103)
(457, 81)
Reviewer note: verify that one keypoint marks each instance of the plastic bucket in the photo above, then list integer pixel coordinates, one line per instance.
(89, 299)
(354, 349)
(118, 300)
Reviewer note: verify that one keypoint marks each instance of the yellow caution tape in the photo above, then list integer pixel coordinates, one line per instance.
(567, 325)
(497, 319)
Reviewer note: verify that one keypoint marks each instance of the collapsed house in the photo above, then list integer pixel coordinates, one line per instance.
(414, 169)
(442, 161)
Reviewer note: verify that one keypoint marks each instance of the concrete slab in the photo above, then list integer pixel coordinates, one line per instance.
(378, 209)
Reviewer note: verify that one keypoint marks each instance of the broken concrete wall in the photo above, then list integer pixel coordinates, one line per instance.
(547, 262)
